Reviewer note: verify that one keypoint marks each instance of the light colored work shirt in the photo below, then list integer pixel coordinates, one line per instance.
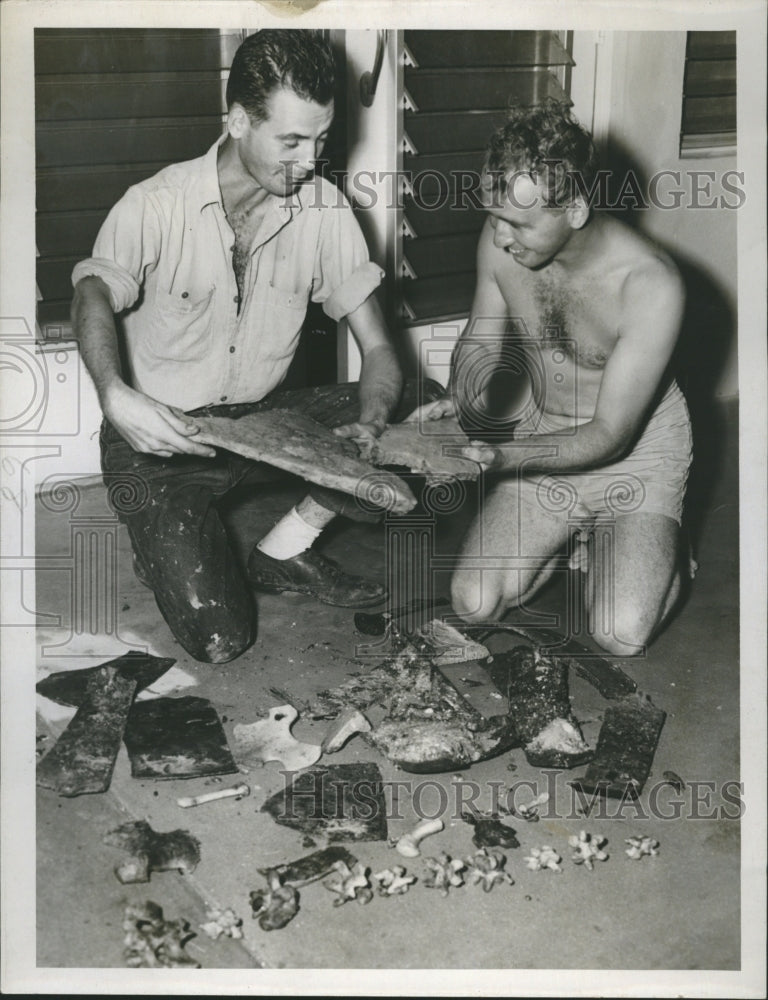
(165, 253)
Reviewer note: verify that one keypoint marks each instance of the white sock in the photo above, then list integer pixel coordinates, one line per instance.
(290, 536)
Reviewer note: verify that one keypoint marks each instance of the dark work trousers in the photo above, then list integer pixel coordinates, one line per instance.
(180, 544)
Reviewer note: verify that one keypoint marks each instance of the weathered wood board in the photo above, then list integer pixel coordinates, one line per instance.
(304, 447)
(430, 448)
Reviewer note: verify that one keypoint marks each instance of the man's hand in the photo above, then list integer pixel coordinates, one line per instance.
(150, 426)
(364, 432)
(489, 458)
(436, 410)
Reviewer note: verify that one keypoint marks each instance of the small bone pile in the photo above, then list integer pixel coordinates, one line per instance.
(276, 905)
(393, 881)
(224, 922)
(639, 847)
(587, 849)
(487, 868)
(350, 883)
(444, 873)
(151, 942)
(543, 857)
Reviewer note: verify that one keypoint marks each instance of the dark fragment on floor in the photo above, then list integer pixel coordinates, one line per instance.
(151, 852)
(626, 746)
(339, 801)
(177, 738)
(536, 687)
(83, 758)
(428, 727)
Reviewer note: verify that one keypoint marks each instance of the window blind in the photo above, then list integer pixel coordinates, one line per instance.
(112, 107)
(709, 91)
(456, 88)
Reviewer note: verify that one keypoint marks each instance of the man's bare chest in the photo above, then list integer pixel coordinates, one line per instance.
(245, 225)
(582, 322)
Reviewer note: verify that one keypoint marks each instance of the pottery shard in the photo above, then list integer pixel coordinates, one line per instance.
(304, 447)
(431, 448)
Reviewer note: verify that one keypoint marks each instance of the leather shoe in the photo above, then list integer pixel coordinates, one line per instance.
(313, 574)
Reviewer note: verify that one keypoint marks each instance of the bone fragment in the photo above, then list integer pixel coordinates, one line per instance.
(408, 844)
(348, 723)
(236, 791)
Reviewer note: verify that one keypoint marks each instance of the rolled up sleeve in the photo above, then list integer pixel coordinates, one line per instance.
(344, 274)
(126, 245)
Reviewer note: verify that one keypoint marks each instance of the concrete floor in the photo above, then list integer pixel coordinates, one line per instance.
(679, 910)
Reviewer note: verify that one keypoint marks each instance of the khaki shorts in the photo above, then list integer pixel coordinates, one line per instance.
(650, 479)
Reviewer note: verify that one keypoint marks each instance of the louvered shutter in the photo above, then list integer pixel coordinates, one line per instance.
(112, 107)
(456, 88)
(709, 91)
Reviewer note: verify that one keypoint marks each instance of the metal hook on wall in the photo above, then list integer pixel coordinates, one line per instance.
(369, 81)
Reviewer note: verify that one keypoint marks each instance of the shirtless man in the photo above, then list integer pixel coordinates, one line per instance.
(602, 445)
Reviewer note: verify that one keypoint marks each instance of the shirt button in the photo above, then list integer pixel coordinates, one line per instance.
(231, 350)
(223, 399)
(185, 295)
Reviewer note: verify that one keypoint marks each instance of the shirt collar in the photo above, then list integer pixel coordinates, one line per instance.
(210, 192)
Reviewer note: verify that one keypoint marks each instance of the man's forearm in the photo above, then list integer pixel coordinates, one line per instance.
(590, 446)
(93, 323)
(381, 383)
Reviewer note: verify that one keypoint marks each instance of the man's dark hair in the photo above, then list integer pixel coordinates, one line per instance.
(298, 59)
(548, 143)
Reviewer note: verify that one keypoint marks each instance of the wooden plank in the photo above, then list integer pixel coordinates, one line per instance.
(432, 175)
(448, 295)
(486, 48)
(480, 89)
(292, 441)
(442, 254)
(710, 76)
(441, 221)
(91, 187)
(709, 114)
(125, 50)
(448, 131)
(78, 144)
(711, 45)
(54, 277)
(128, 95)
(74, 231)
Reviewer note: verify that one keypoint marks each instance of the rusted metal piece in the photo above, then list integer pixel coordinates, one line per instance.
(536, 687)
(83, 758)
(609, 679)
(177, 738)
(68, 687)
(626, 745)
(340, 801)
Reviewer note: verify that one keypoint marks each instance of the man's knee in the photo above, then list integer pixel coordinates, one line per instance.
(212, 633)
(476, 596)
(627, 632)
(220, 646)
(225, 648)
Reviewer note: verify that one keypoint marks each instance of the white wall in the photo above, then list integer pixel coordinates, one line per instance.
(644, 118)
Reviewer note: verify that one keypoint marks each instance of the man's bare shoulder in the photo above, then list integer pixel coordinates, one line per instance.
(647, 269)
